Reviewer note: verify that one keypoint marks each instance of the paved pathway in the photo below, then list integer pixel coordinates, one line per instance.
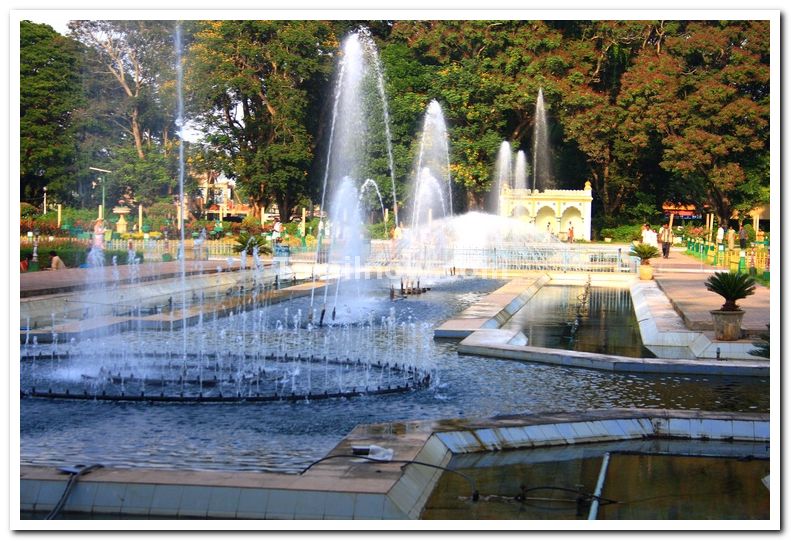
(682, 279)
(47, 282)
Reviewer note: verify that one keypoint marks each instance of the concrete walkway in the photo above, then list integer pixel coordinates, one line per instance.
(47, 282)
(682, 278)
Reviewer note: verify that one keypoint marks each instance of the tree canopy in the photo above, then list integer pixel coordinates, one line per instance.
(647, 111)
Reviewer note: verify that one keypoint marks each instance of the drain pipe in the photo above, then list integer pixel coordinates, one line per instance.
(594, 510)
(74, 474)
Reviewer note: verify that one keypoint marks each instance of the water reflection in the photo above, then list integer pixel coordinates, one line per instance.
(581, 318)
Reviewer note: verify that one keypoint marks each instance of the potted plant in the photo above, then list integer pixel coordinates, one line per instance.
(645, 252)
(731, 286)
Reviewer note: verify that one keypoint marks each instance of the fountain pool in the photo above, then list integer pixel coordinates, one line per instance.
(286, 435)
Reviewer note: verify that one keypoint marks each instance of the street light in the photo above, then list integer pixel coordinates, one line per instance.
(45, 200)
(103, 190)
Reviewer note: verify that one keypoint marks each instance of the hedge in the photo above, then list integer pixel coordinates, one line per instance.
(74, 255)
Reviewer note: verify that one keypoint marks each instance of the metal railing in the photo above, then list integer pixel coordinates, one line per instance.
(541, 257)
(754, 259)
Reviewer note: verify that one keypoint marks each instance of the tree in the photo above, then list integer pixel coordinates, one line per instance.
(139, 56)
(481, 73)
(706, 97)
(253, 83)
(592, 111)
(130, 125)
(49, 95)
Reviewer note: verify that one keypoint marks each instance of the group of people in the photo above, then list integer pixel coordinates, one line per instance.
(665, 237)
(56, 263)
(742, 235)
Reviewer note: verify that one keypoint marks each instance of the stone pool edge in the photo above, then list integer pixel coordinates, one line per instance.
(661, 328)
(351, 489)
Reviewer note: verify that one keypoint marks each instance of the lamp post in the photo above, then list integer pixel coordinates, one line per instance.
(45, 200)
(101, 214)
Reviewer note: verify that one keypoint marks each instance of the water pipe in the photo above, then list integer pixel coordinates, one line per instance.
(594, 510)
(74, 474)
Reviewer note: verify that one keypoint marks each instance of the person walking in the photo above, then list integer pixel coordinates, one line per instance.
(645, 234)
(666, 238)
(731, 238)
(571, 234)
(742, 237)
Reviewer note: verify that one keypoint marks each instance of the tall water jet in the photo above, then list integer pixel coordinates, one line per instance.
(359, 132)
(180, 127)
(347, 223)
(520, 171)
(429, 202)
(542, 168)
(432, 192)
(503, 171)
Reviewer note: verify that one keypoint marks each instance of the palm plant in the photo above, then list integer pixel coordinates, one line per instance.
(645, 252)
(245, 242)
(731, 286)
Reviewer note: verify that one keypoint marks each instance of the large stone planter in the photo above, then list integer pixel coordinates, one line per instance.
(646, 272)
(727, 325)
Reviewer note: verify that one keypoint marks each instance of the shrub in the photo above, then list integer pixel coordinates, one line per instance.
(645, 252)
(750, 232)
(245, 242)
(731, 286)
(762, 345)
(26, 210)
(381, 230)
(623, 233)
(252, 225)
(73, 253)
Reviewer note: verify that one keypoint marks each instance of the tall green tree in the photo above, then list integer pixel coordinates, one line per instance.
(253, 84)
(49, 95)
(131, 83)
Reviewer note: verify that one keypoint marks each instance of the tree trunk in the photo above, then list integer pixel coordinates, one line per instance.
(284, 205)
(137, 135)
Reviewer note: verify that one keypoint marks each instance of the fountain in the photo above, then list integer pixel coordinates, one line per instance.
(542, 166)
(279, 380)
(546, 208)
(431, 185)
(503, 172)
(520, 171)
(348, 162)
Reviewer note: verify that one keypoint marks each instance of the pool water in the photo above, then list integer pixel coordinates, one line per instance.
(639, 484)
(594, 320)
(287, 436)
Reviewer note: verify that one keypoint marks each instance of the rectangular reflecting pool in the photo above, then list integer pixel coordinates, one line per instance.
(647, 480)
(581, 318)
